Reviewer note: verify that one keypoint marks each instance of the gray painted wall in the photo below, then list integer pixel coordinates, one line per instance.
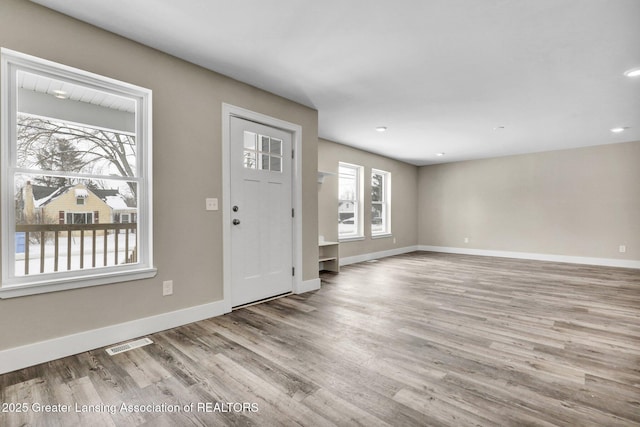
(404, 180)
(580, 202)
(187, 102)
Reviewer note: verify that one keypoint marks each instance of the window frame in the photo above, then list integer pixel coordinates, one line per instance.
(385, 203)
(72, 215)
(358, 215)
(13, 285)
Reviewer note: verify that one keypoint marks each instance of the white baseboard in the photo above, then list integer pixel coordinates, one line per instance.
(308, 286)
(376, 255)
(56, 348)
(608, 262)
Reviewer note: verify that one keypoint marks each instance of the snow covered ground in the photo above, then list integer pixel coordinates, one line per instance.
(49, 258)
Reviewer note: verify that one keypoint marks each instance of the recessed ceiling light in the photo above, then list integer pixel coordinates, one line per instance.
(498, 128)
(618, 130)
(61, 94)
(634, 72)
(439, 154)
(381, 128)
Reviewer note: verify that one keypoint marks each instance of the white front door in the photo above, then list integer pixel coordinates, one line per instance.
(261, 212)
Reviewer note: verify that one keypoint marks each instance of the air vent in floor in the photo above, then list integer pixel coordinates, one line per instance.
(129, 346)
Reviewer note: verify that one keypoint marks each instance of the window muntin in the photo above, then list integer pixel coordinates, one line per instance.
(76, 151)
(349, 201)
(262, 152)
(380, 206)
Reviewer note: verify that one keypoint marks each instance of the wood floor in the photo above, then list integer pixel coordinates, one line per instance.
(422, 339)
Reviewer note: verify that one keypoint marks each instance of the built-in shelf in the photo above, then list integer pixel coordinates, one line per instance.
(322, 175)
(329, 259)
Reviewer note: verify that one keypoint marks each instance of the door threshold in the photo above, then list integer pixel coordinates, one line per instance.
(260, 301)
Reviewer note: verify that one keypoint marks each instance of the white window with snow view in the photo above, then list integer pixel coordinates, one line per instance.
(76, 168)
(380, 203)
(349, 201)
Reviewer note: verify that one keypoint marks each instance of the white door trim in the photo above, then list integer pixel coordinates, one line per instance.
(228, 111)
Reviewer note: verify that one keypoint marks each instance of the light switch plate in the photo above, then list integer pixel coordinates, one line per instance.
(167, 288)
(211, 204)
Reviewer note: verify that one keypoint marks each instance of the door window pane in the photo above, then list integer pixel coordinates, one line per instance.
(250, 140)
(265, 162)
(250, 159)
(262, 152)
(265, 144)
(276, 164)
(276, 147)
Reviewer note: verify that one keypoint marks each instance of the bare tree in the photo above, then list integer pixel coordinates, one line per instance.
(52, 145)
(58, 156)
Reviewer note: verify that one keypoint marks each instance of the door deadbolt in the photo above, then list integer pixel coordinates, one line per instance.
(235, 209)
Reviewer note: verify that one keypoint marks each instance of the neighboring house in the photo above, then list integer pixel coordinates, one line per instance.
(75, 204)
(346, 211)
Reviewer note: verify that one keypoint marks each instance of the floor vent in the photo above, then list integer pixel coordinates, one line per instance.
(128, 346)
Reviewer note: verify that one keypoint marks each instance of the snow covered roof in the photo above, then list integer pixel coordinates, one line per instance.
(82, 193)
(41, 191)
(113, 198)
(46, 197)
(43, 195)
(116, 202)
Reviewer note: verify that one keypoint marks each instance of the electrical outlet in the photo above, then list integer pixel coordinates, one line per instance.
(394, 240)
(211, 204)
(622, 249)
(466, 240)
(167, 288)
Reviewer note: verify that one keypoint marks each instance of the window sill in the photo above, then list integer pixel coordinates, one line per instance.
(62, 284)
(350, 239)
(381, 236)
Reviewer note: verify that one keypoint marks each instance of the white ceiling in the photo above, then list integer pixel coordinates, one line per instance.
(439, 74)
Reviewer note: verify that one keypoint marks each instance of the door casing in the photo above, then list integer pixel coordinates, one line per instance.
(229, 111)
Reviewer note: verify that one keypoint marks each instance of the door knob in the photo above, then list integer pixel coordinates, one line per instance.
(236, 221)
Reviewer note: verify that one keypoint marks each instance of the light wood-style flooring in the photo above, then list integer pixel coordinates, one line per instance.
(422, 339)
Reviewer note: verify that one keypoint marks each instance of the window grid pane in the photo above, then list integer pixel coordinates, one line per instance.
(379, 202)
(262, 152)
(249, 159)
(250, 139)
(264, 162)
(55, 145)
(276, 147)
(349, 201)
(377, 187)
(265, 143)
(276, 164)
